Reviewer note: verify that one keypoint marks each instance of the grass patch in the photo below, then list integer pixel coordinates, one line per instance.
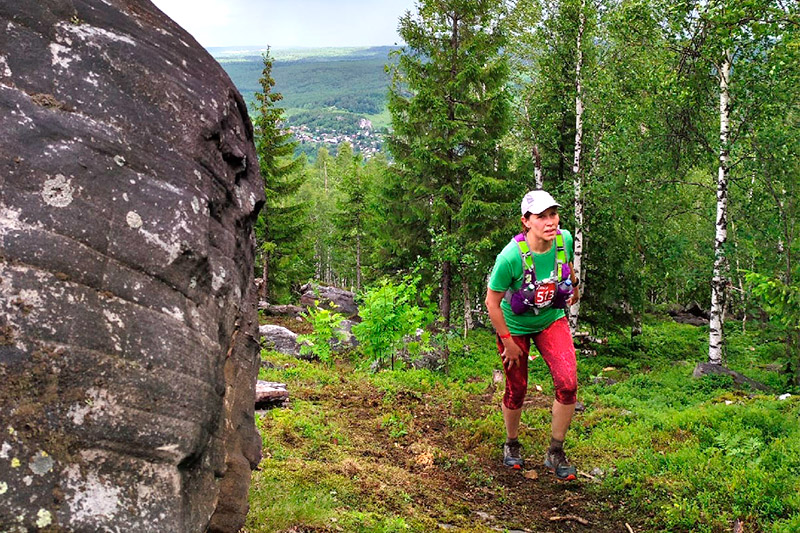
(410, 450)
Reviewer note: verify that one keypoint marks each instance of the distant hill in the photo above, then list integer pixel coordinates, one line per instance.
(327, 88)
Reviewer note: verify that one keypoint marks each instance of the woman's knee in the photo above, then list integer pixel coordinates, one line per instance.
(514, 397)
(567, 392)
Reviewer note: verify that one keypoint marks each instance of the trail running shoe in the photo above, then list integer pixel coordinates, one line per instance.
(556, 461)
(512, 456)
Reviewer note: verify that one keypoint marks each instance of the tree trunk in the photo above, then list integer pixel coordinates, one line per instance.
(444, 309)
(264, 289)
(537, 158)
(358, 262)
(467, 307)
(447, 280)
(716, 336)
(744, 298)
(576, 167)
(537, 167)
(785, 248)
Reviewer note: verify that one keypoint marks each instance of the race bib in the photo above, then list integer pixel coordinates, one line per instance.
(544, 295)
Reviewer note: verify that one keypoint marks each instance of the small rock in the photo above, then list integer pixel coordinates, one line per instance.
(784, 396)
(625, 412)
(348, 340)
(484, 516)
(531, 474)
(597, 472)
(579, 407)
(279, 339)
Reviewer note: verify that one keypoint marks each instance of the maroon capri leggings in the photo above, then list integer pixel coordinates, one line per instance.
(555, 345)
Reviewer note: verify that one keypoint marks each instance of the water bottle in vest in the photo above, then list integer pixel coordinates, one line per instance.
(563, 293)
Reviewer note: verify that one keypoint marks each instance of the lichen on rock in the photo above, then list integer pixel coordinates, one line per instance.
(128, 355)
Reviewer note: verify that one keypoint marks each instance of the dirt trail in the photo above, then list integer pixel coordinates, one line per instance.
(444, 467)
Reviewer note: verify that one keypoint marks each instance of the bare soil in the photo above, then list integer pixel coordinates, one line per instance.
(454, 477)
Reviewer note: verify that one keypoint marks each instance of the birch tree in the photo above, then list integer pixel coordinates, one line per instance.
(719, 279)
(577, 176)
(730, 38)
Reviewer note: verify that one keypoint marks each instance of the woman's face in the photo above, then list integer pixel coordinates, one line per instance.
(542, 226)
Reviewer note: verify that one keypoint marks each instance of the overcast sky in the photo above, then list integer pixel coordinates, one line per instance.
(289, 23)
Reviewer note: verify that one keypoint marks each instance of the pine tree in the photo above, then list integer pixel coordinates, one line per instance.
(280, 228)
(450, 110)
(352, 209)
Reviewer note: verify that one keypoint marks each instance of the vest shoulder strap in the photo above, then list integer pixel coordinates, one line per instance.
(528, 268)
(561, 254)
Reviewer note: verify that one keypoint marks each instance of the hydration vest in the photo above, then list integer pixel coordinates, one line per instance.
(535, 294)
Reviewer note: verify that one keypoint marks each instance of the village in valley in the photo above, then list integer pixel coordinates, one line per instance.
(365, 141)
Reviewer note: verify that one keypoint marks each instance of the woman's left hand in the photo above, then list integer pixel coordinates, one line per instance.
(575, 296)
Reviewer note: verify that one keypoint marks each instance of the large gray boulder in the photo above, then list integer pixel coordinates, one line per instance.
(340, 300)
(128, 332)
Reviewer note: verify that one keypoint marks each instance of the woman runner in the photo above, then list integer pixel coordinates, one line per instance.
(540, 322)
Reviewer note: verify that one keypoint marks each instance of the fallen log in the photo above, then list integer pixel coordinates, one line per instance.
(280, 310)
(571, 517)
(586, 337)
(704, 369)
(270, 394)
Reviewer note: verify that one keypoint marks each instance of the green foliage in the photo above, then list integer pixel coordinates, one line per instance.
(396, 424)
(389, 312)
(684, 454)
(325, 324)
(281, 226)
(782, 300)
(695, 453)
(450, 110)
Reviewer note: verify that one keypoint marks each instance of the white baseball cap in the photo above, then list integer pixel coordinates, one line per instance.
(538, 201)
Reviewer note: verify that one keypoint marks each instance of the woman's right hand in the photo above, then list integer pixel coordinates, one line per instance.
(511, 354)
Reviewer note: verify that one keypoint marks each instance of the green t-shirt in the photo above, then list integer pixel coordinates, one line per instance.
(507, 274)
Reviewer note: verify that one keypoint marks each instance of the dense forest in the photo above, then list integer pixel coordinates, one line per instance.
(667, 130)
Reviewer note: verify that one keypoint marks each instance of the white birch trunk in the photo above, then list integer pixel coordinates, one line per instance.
(537, 159)
(574, 310)
(537, 167)
(467, 307)
(718, 282)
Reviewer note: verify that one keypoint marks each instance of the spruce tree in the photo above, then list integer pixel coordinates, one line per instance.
(352, 209)
(449, 105)
(280, 228)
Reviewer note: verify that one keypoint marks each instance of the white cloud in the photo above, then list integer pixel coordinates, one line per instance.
(206, 20)
(288, 23)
